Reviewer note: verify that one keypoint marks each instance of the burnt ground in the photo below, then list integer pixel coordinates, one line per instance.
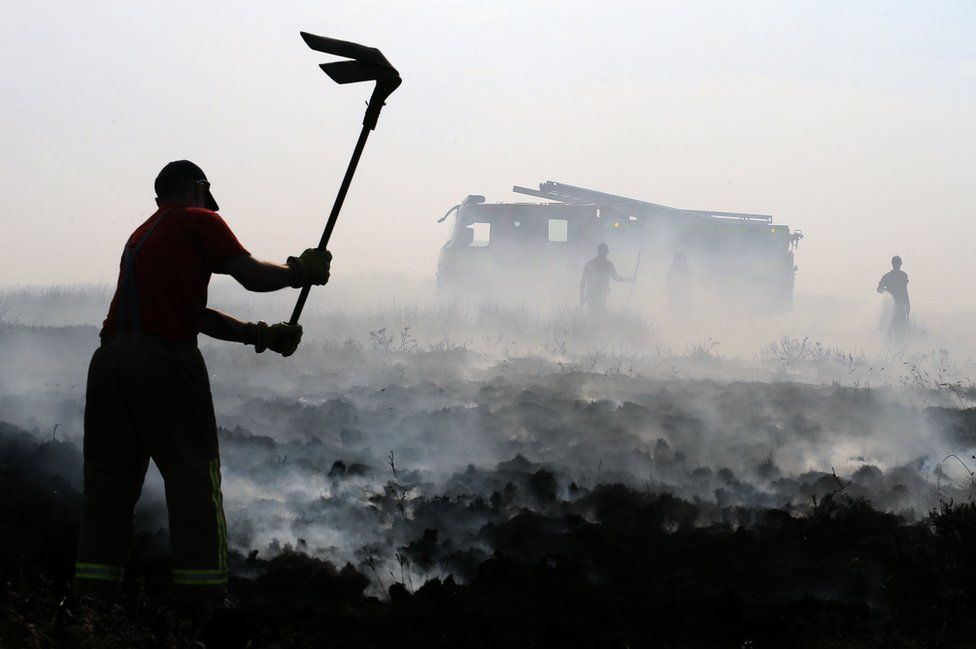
(384, 493)
(608, 565)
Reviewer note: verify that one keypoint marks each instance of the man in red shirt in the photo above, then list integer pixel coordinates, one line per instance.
(148, 393)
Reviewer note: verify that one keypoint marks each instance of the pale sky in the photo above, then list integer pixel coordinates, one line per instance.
(853, 121)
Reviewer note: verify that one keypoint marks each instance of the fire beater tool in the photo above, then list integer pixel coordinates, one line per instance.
(363, 64)
(634, 283)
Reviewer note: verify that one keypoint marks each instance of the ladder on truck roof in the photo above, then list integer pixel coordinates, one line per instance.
(563, 193)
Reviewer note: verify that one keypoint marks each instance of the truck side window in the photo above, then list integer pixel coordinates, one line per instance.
(558, 230)
(480, 234)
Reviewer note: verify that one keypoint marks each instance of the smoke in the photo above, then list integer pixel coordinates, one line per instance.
(401, 435)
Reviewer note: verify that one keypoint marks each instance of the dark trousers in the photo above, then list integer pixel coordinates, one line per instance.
(148, 398)
(597, 301)
(898, 327)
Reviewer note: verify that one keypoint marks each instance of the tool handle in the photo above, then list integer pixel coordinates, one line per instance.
(333, 216)
(634, 283)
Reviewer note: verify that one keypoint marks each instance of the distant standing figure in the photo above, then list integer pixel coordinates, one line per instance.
(895, 283)
(680, 295)
(595, 282)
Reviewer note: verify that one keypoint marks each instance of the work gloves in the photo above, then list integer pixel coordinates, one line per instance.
(311, 267)
(282, 337)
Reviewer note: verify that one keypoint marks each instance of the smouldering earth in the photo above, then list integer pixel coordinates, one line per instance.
(479, 493)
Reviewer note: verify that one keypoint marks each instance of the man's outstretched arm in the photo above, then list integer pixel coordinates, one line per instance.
(618, 277)
(312, 267)
(256, 275)
(221, 326)
(282, 337)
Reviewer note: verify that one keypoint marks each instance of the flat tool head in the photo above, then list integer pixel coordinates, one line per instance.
(366, 64)
(354, 71)
(345, 49)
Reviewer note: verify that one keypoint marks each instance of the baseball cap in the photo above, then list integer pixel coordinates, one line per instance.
(173, 173)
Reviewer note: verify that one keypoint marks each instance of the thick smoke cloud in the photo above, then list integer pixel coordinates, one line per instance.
(401, 437)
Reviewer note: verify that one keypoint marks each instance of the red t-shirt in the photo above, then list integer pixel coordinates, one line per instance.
(172, 271)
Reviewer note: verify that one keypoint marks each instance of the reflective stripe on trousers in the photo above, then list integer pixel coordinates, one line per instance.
(217, 576)
(199, 577)
(99, 571)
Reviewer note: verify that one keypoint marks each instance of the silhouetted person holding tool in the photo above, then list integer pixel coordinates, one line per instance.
(895, 283)
(148, 390)
(595, 282)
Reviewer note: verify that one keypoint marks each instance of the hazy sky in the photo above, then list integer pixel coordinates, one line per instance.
(853, 121)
